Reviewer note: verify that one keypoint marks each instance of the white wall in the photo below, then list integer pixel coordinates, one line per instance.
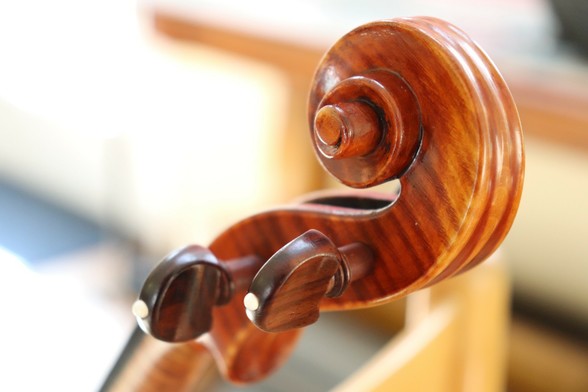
(169, 142)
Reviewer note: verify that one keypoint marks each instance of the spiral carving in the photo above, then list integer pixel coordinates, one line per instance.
(367, 128)
(413, 99)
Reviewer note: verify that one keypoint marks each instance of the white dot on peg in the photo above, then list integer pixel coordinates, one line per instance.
(140, 309)
(251, 302)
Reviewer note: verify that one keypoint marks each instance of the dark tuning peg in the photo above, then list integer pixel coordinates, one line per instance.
(287, 290)
(176, 301)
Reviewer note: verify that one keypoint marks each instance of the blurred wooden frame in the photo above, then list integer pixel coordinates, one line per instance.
(455, 338)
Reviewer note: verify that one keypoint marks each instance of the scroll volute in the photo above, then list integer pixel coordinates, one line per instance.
(413, 99)
(449, 131)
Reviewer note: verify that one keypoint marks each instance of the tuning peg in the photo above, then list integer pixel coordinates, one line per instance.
(287, 290)
(176, 301)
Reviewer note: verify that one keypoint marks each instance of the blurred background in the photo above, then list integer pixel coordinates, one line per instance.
(130, 128)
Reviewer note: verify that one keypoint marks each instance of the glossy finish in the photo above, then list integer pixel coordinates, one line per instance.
(413, 99)
(381, 125)
(176, 301)
(458, 197)
(287, 291)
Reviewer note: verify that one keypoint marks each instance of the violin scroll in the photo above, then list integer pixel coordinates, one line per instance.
(411, 98)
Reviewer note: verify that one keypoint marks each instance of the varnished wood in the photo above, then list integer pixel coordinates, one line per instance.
(458, 198)
(380, 114)
(447, 128)
(177, 297)
(289, 287)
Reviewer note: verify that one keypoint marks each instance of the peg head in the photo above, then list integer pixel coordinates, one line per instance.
(287, 291)
(176, 301)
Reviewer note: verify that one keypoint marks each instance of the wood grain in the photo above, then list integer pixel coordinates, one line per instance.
(175, 303)
(458, 198)
(289, 287)
(450, 133)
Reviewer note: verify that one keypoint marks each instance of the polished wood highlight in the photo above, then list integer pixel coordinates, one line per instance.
(175, 303)
(287, 291)
(413, 99)
(371, 118)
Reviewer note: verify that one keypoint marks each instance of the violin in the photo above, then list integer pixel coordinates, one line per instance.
(412, 99)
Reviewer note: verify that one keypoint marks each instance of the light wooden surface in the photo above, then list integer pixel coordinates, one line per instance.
(455, 339)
